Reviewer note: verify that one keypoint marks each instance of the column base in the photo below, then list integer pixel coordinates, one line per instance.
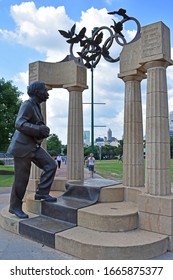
(156, 215)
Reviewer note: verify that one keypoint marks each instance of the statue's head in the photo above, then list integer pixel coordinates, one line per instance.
(38, 90)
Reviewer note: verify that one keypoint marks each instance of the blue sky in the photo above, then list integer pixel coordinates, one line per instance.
(29, 32)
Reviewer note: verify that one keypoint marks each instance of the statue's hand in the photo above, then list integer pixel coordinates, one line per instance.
(44, 131)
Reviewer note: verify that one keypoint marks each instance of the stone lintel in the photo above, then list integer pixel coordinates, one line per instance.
(129, 59)
(58, 74)
(158, 59)
(155, 43)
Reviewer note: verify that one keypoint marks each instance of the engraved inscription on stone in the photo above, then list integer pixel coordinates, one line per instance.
(151, 41)
(33, 72)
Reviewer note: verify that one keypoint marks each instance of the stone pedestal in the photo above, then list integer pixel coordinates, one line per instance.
(156, 215)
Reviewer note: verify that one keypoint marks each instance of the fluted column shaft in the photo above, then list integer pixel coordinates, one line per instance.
(75, 155)
(133, 158)
(157, 130)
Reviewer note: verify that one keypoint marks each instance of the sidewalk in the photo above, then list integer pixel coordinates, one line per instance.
(16, 247)
(62, 172)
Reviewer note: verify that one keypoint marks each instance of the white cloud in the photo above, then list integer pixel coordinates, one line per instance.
(38, 29)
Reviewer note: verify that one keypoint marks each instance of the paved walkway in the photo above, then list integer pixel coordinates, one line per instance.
(16, 247)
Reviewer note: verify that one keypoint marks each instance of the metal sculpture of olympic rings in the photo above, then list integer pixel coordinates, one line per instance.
(92, 50)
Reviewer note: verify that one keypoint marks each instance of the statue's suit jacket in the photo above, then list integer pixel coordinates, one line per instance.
(27, 135)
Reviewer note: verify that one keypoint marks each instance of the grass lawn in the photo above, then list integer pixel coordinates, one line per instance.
(113, 169)
(110, 169)
(6, 180)
(9, 168)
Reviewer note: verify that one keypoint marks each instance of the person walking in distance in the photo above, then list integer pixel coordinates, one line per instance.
(91, 163)
(26, 147)
(59, 159)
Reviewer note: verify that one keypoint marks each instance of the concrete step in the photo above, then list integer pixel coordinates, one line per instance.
(113, 193)
(43, 229)
(76, 197)
(58, 184)
(111, 217)
(35, 206)
(10, 222)
(87, 243)
(64, 209)
(90, 244)
(106, 229)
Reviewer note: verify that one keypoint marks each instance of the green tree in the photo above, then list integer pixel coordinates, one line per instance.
(53, 145)
(64, 147)
(10, 102)
(88, 150)
(109, 152)
(171, 147)
(120, 148)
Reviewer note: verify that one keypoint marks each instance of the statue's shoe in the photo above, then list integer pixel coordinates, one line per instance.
(18, 212)
(46, 197)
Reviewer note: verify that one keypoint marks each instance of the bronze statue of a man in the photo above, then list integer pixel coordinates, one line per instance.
(26, 148)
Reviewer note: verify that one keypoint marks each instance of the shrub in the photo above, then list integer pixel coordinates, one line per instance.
(2, 162)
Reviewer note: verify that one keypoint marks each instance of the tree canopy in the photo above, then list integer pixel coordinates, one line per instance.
(10, 102)
(53, 145)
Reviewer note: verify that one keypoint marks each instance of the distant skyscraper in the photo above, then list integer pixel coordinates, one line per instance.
(109, 134)
(171, 123)
(171, 120)
(86, 137)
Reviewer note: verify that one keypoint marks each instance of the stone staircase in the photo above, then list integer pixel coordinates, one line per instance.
(104, 229)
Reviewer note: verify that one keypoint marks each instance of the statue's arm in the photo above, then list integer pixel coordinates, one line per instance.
(24, 122)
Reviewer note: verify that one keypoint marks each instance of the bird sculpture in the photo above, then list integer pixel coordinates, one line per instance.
(120, 12)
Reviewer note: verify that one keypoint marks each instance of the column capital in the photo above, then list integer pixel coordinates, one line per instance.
(75, 88)
(156, 63)
(139, 76)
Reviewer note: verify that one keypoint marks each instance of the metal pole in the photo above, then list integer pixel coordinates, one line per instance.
(92, 101)
(92, 110)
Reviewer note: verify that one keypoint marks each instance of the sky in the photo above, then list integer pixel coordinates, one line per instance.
(29, 33)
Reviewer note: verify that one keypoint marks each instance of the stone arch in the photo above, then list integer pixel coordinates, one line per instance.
(69, 75)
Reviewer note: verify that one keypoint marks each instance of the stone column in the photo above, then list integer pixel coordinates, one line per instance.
(133, 156)
(75, 154)
(157, 130)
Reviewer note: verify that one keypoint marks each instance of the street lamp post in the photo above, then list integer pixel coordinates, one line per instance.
(92, 110)
(92, 99)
